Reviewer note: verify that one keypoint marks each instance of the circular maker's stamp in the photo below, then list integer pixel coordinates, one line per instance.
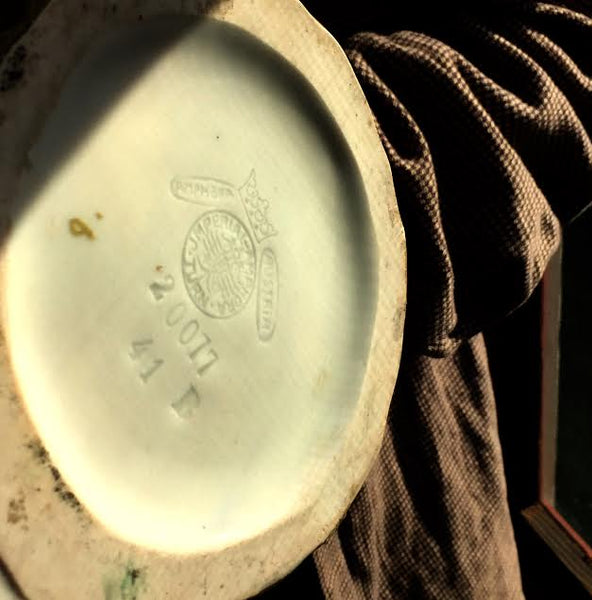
(219, 264)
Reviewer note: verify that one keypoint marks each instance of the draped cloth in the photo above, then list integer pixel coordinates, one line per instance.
(486, 120)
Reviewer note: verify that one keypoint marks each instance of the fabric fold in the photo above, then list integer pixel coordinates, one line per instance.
(486, 119)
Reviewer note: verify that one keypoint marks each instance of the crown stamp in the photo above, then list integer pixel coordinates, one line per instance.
(256, 208)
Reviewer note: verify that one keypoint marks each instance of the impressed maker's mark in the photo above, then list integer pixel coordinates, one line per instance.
(219, 264)
(220, 254)
(267, 297)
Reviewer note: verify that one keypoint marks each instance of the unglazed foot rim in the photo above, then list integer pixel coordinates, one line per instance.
(203, 296)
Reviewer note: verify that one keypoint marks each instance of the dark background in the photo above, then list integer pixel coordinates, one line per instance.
(574, 432)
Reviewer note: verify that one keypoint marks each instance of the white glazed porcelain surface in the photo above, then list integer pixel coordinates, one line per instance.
(190, 288)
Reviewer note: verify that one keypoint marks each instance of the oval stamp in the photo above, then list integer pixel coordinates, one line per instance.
(201, 190)
(219, 266)
(267, 296)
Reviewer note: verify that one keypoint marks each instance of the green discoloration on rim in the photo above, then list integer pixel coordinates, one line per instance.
(126, 586)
